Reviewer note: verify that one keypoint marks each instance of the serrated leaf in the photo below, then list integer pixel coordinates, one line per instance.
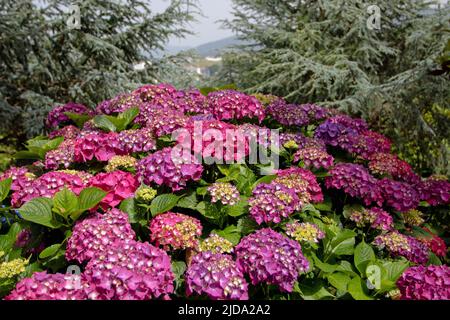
(188, 202)
(90, 197)
(363, 255)
(39, 210)
(7, 240)
(238, 209)
(313, 290)
(65, 202)
(129, 206)
(128, 116)
(5, 187)
(49, 251)
(339, 280)
(104, 123)
(358, 289)
(163, 203)
(79, 119)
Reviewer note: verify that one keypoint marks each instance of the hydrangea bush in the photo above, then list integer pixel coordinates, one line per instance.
(121, 201)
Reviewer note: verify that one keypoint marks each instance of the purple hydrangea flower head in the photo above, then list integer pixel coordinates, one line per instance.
(376, 217)
(288, 114)
(273, 202)
(398, 244)
(45, 286)
(303, 181)
(94, 235)
(399, 195)
(356, 181)
(63, 156)
(57, 115)
(151, 91)
(230, 104)
(172, 169)
(217, 276)
(425, 283)
(67, 132)
(314, 157)
(119, 104)
(130, 270)
(175, 230)
(269, 257)
(329, 132)
(435, 192)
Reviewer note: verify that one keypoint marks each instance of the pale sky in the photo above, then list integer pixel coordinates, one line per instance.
(206, 28)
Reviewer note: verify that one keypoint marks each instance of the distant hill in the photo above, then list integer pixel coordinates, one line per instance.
(214, 48)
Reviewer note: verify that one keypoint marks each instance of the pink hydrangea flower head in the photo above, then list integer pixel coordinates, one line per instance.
(45, 286)
(95, 235)
(269, 257)
(425, 283)
(130, 270)
(224, 192)
(304, 232)
(314, 157)
(356, 181)
(20, 176)
(119, 104)
(175, 230)
(389, 164)
(67, 132)
(376, 217)
(63, 156)
(119, 186)
(217, 276)
(57, 115)
(398, 244)
(288, 114)
(399, 195)
(435, 192)
(141, 140)
(46, 186)
(169, 167)
(97, 145)
(230, 104)
(151, 91)
(273, 202)
(297, 179)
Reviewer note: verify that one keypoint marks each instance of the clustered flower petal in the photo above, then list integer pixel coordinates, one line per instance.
(314, 157)
(288, 114)
(141, 140)
(175, 231)
(95, 234)
(435, 192)
(217, 276)
(45, 286)
(145, 194)
(169, 167)
(413, 217)
(376, 217)
(399, 195)
(389, 164)
(20, 176)
(119, 104)
(121, 162)
(57, 115)
(46, 186)
(356, 181)
(269, 257)
(273, 202)
(99, 145)
(215, 244)
(435, 243)
(129, 270)
(224, 192)
(230, 104)
(63, 156)
(425, 283)
(398, 244)
(119, 185)
(304, 232)
(304, 183)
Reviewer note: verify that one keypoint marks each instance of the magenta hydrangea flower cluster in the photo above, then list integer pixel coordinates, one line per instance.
(130, 270)
(390, 164)
(299, 179)
(175, 231)
(169, 167)
(46, 186)
(399, 195)
(135, 141)
(95, 234)
(119, 185)
(98, 145)
(63, 156)
(57, 116)
(224, 192)
(151, 91)
(119, 104)
(356, 181)
(20, 176)
(314, 157)
(425, 283)
(398, 244)
(230, 104)
(273, 202)
(269, 257)
(435, 192)
(376, 217)
(288, 114)
(68, 132)
(45, 286)
(217, 276)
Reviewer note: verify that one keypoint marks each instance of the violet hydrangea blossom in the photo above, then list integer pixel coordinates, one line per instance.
(217, 276)
(269, 257)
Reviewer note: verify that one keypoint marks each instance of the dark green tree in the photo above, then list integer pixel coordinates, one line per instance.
(326, 52)
(46, 59)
